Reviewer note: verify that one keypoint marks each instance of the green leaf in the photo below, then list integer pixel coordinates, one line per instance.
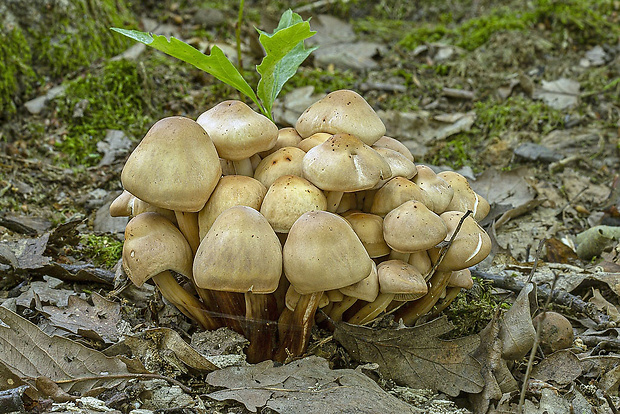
(216, 63)
(285, 51)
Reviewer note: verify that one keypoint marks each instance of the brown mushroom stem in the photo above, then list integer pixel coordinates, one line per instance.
(296, 336)
(411, 311)
(189, 305)
(244, 167)
(261, 314)
(228, 306)
(341, 307)
(333, 200)
(394, 255)
(372, 309)
(188, 224)
(451, 294)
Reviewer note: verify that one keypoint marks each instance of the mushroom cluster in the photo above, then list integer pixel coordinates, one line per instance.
(242, 225)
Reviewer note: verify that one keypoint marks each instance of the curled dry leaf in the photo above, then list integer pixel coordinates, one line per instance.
(306, 386)
(416, 356)
(517, 330)
(562, 367)
(27, 352)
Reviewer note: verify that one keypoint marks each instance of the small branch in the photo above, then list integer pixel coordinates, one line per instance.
(129, 376)
(238, 35)
(558, 296)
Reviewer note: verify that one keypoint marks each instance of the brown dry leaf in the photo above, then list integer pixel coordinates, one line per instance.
(497, 377)
(98, 321)
(604, 305)
(562, 367)
(306, 386)
(27, 352)
(164, 341)
(416, 357)
(550, 403)
(517, 330)
(559, 94)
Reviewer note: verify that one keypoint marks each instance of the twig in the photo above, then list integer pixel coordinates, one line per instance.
(238, 35)
(558, 296)
(130, 376)
(541, 244)
(458, 93)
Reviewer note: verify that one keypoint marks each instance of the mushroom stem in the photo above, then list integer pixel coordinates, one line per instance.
(244, 167)
(341, 307)
(372, 309)
(410, 312)
(369, 197)
(394, 255)
(231, 308)
(189, 305)
(296, 336)
(188, 224)
(261, 314)
(333, 200)
(451, 294)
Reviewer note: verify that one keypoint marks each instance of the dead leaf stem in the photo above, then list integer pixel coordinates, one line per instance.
(130, 376)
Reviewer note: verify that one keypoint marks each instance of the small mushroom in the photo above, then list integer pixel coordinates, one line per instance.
(287, 137)
(285, 161)
(555, 330)
(394, 193)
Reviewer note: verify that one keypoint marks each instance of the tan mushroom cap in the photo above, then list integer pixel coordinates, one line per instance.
(366, 289)
(465, 198)
(232, 190)
(237, 131)
(342, 111)
(121, 205)
(240, 253)
(285, 161)
(461, 279)
(322, 252)
(287, 137)
(175, 166)
(412, 227)
(399, 164)
(347, 203)
(438, 189)
(292, 297)
(422, 262)
(369, 229)
(470, 246)
(344, 163)
(396, 192)
(401, 279)
(153, 245)
(393, 144)
(288, 198)
(313, 140)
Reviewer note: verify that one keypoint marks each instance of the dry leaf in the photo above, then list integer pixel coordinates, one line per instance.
(416, 357)
(306, 386)
(560, 94)
(98, 321)
(27, 352)
(562, 367)
(517, 331)
(550, 403)
(603, 304)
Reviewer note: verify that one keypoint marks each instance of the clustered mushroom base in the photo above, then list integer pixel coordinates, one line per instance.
(266, 226)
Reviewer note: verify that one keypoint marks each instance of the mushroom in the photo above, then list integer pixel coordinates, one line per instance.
(341, 164)
(313, 140)
(240, 253)
(176, 167)
(465, 198)
(399, 164)
(555, 330)
(285, 161)
(393, 144)
(238, 133)
(321, 253)
(369, 229)
(287, 137)
(366, 289)
(342, 111)
(438, 189)
(394, 193)
(154, 246)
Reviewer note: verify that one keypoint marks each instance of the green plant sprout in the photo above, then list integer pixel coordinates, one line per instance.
(284, 53)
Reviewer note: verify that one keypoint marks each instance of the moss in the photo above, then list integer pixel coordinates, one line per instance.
(102, 250)
(15, 55)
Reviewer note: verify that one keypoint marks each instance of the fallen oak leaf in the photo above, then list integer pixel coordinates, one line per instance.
(416, 357)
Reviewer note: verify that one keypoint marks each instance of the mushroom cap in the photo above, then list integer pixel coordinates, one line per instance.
(470, 246)
(366, 289)
(232, 190)
(285, 161)
(152, 245)
(412, 227)
(175, 166)
(344, 163)
(461, 279)
(438, 189)
(288, 198)
(322, 252)
(399, 164)
(394, 144)
(342, 111)
(121, 205)
(287, 137)
(401, 279)
(369, 229)
(396, 192)
(313, 140)
(465, 198)
(240, 253)
(422, 262)
(237, 131)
